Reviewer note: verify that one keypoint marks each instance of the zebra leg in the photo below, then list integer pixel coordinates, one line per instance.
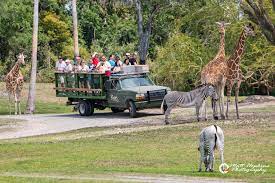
(198, 112)
(214, 109)
(211, 157)
(203, 111)
(167, 113)
(201, 149)
(221, 157)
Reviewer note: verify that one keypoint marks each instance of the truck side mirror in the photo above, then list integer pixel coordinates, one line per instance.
(108, 85)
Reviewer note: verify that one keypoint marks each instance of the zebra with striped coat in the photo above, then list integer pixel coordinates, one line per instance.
(211, 137)
(188, 99)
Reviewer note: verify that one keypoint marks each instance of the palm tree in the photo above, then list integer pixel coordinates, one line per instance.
(31, 97)
(75, 32)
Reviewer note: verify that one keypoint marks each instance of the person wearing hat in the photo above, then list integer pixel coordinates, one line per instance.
(70, 76)
(59, 67)
(68, 68)
(127, 56)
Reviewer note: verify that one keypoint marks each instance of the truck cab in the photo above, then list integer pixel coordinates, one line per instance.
(133, 92)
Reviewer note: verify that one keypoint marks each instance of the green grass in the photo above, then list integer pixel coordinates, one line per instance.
(46, 101)
(172, 150)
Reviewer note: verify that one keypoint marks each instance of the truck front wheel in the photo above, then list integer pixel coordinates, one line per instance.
(132, 109)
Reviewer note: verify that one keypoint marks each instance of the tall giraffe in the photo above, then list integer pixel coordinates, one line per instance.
(234, 74)
(215, 72)
(14, 83)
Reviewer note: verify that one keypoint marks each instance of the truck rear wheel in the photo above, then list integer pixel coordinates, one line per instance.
(86, 108)
(132, 109)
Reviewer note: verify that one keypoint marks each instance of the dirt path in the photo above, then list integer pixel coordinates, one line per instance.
(120, 177)
(33, 125)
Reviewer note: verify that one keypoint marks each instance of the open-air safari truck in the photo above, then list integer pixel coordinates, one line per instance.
(130, 89)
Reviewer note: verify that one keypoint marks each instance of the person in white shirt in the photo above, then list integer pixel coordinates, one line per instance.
(68, 68)
(83, 78)
(69, 76)
(59, 67)
(104, 65)
(83, 67)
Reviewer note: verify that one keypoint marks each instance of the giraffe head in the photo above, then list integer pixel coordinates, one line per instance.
(222, 26)
(21, 58)
(249, 30)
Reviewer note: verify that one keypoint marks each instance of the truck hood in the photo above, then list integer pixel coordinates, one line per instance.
(144, 89)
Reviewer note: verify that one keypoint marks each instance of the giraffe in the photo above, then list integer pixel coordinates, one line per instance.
(215, 72)
(234, 74)
(14, 83)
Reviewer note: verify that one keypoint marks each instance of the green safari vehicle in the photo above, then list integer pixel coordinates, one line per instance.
(87, 91)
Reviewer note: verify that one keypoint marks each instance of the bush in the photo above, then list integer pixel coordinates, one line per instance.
(179, 62)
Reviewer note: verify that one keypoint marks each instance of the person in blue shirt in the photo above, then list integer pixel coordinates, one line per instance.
(112, 61)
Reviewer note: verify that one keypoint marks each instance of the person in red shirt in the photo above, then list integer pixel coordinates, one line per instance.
(94, 61)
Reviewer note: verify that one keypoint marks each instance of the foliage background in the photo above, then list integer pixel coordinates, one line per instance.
(184, 38)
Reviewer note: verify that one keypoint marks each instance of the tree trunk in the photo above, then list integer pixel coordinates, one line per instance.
(144, 35)
(75, 29)
(143, 47)
(31, 97)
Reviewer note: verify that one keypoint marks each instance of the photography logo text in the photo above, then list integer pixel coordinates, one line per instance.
(243, 167)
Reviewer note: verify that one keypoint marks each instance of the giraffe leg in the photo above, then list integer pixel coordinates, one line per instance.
(222, 102)
(15, 104)
(229, 89)
(18, 102)
(10, 103)
(236, 98)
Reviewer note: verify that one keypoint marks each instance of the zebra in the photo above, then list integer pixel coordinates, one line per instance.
(210, 138)
(188, 99)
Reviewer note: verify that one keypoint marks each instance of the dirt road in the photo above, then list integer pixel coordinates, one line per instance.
(32, 125)
(120, 177)
(40, 124)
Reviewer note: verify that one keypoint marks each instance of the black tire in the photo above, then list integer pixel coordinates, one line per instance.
(132, 109)
(85, 108)
(117, 110)
(90, 108)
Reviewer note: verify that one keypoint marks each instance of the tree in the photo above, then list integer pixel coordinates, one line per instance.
(144, 32)
(75, 28)
(31, 97)
(258, 14)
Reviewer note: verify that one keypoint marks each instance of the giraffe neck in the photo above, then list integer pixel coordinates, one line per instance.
(238, 50)
(221, 51)
(15, 70)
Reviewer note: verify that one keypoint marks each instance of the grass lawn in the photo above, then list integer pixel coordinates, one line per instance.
(171, 150)
(46, 101)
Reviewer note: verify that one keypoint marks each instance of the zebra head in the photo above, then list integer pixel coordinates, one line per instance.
(212, 92)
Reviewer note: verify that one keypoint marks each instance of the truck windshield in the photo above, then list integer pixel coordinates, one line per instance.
(135, 82)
